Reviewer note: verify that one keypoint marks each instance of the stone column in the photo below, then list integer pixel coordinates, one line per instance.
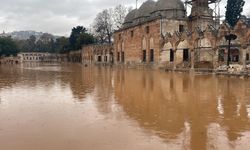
(215, 58)
(192, 59)
(243, 49)
(175, 58)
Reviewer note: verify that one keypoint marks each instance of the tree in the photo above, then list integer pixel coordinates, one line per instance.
(234, 9)
(119, 14)
(45, 43)
(109, 20)
(78, 37)
(62, 45)
(31, 44)
(104, 26)
(8, 47)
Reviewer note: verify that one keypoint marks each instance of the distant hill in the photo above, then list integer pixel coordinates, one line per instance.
(23, 35)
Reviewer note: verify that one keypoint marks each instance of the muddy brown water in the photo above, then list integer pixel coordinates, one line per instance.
(70, 107)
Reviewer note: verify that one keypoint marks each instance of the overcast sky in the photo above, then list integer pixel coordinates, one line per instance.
(59, 16)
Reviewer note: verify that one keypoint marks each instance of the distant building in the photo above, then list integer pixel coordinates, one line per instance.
(32, 56)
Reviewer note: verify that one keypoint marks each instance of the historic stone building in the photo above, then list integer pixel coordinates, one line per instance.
(98, 54)
(140, 39)
(161, 34)
(32, 56)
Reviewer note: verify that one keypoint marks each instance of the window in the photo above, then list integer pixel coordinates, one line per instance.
(247, 57)
(118, 56)
(185, 55)
(152, 55)
(99, 58)
(144, 56)
(106, 58)
(147, 29)
(132, 33)
(120, 36)
(181, 28)
(171, 55)
(123, 57)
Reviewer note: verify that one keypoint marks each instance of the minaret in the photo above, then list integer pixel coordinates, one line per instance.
(201, 14)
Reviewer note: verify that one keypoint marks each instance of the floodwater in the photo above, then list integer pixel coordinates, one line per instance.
(70, 107)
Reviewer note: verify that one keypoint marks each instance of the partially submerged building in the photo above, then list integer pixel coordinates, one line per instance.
(98, 54)
(161, 34)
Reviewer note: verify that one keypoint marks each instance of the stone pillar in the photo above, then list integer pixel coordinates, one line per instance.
(192, 59)
(244, 52)
(215, 58)
(175, 59)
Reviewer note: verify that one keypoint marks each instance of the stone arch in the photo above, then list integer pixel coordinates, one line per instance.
(183, 52)
(165, 53)
(167, 46)
(183, 45)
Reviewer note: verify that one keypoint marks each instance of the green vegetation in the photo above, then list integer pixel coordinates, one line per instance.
(234, 9)
(47, 43)
(79, 37)
(8, 47)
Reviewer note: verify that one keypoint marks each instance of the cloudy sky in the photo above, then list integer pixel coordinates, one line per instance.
(59, 16)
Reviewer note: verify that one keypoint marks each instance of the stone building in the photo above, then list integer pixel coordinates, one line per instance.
(161, 34)
(75, 56)
(140, 39)
(32, 56)
(98, 54)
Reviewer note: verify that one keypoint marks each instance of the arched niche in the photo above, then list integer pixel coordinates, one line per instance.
(167, 46)
(165, 53)
(183, 45)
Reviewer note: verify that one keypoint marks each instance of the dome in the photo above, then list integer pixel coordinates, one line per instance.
(146, 9)
(171, 9)
(162, 5)
(130, 16)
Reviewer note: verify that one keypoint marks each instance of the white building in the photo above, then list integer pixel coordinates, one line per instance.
(32, 56)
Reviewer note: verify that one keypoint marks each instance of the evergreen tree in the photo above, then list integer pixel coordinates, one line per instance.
(79, 36)
(8, 47)
(234, 9)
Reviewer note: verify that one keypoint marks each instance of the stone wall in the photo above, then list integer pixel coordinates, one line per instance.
(98, 54)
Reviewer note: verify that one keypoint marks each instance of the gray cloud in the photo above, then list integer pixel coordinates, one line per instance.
(58, 16)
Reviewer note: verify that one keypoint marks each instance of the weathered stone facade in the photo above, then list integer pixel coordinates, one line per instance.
(75, 56)
(167, 38)
(97, 54)
(32, 56)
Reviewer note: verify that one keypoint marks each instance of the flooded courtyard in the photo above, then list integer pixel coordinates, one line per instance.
(71, 107)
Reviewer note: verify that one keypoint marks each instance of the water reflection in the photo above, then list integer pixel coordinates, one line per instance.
(183, 111)
(165, 103)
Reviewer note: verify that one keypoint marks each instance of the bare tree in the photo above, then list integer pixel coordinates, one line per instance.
(104, 26)
(119, 14)
(109, 20)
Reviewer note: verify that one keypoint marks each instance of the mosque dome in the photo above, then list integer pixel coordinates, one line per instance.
(162, 5)
(130, 16)
(171, 9)
(146, 9)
